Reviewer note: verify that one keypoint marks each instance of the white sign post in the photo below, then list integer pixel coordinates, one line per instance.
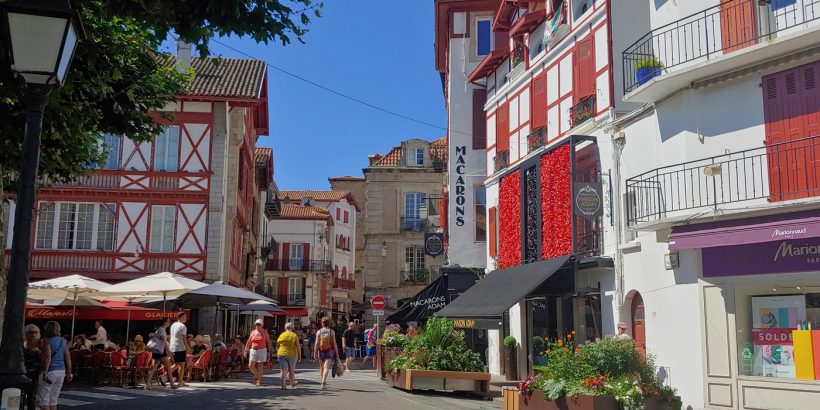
(378, 303)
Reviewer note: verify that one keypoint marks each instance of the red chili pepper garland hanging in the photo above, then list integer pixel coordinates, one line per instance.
(556, 203)
(509, 219)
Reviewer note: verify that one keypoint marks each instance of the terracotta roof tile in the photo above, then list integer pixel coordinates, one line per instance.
(438, 150)
(293, 211)
(226, 77)
(297, 196)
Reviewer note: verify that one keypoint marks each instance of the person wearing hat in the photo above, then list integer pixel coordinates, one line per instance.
(256, 349)
(137, 346)
(197, 351)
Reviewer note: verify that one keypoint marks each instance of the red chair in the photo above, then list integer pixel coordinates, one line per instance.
(201, 366)
(95, 365)
(115, 366)
(236, 362)
(222, 363)
(141, 365)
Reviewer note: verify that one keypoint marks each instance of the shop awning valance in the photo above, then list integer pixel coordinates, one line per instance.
(798, 225)
(503, 288)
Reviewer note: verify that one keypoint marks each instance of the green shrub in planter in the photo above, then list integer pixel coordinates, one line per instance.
(648, 62)
(509, 341)
(438, 346)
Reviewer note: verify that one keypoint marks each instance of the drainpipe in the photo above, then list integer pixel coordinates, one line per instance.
(618, 142)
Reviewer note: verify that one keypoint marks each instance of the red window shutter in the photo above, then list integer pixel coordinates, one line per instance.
(583, 76)
(479, 119)
(304, 283)
(338, 214)
(285, 256)
(347, 216)
(282, 290)
(501, 39)
(492, 228)
(538, 101)
(323, 292)
(306, 256)
(502, 134)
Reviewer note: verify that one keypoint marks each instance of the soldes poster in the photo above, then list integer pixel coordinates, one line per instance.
(773, 318)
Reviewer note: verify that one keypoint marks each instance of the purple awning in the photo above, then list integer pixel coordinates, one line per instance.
(798, 225)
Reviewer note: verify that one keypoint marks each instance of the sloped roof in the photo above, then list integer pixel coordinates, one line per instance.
(226, 77)
(293, 211)
(332, 196)
(263, 155)
(438, 150)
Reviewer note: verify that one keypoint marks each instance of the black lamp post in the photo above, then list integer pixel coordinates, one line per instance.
(41, 36)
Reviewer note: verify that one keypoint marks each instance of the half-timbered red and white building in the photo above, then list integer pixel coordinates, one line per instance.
(312, 262)
(185, 201)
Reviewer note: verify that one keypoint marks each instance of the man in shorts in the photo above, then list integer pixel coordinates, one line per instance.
(349, 343)
(179, 344)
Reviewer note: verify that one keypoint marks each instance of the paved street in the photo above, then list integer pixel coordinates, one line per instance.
(357, 390)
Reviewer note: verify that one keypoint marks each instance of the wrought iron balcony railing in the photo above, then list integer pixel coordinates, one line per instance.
(582, 111)
(729, 26)
(537, 139)
(311, 265)
(502, 160)
(417, 276)
(773, 173)
(412, 224)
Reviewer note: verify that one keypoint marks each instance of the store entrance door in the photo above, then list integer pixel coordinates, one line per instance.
(638, 323)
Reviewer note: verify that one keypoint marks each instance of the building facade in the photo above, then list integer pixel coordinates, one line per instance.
(311, 263)
(404, 191)
(356, 186)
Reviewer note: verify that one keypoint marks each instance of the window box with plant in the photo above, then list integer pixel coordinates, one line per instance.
(606, 374)
(438, 358)
(647, 68)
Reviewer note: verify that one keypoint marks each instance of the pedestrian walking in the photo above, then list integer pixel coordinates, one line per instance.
(288, 352)
(179, 345)
(311, 342)
(32, 352)
(101, 338)
(160, 350)
(326, 349)
(370, 345)
(257, 349)
(349, 343)
(56, 366)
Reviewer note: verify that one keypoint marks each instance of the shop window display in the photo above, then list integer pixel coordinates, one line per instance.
(768, 322)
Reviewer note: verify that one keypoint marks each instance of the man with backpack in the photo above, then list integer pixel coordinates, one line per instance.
(370, 344)
(326, 349)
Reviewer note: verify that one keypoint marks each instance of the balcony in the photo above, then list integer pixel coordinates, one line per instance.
(284, 298)
(755, 177)
(286, 264)
(416, 276)
(127, 180)
(412, 224)
(720, 39)
(582, 111)
(537, 139)
(296, 299)
(501, 161)
(342, 283)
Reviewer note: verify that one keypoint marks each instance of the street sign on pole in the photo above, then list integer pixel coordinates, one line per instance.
(378, 312)
(378, 302)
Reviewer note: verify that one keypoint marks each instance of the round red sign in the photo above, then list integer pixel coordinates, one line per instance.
(378, 302)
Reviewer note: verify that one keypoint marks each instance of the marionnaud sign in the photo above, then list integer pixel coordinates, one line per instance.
(588, 199)
(781, 256)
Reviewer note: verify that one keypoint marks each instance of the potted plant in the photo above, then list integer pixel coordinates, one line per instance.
(647, 68)
(606, 374)
(422, 275)
(438, 358)
(510, 358)
(538, 346)
(391, 344)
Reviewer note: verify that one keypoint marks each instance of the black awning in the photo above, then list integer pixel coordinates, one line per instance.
(436, 295)
(501, 289)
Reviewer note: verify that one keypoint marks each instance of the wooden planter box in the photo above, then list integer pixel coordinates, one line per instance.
(385, 355)
(513, 400)
(469, 382)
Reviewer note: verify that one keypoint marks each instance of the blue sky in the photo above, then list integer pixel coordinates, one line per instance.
(377, 51)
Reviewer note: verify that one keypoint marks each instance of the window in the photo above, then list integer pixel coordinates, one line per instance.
(295, 295)
(347, 216)
(412, 204)
(166, 150)
(580, 7)
(484, 36)
(413, 261)
(75, 226)
(112, 151)
(480, 214)
(338, 214)
(8, 232)
(163, 222)
(296, 256)
(270, 286)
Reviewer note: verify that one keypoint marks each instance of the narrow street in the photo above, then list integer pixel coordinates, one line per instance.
(359, 389)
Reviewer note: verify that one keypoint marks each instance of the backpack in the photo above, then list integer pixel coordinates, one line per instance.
(369, 336)
(325, 340)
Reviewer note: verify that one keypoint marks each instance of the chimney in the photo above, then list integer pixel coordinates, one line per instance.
(183, 55)
(374, 158)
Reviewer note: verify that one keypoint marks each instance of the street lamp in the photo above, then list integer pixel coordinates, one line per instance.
(40, 37)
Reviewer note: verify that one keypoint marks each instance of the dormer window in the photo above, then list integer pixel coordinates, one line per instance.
(415, 157)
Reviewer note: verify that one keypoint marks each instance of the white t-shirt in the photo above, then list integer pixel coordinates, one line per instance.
(178, 334)
(101, 337)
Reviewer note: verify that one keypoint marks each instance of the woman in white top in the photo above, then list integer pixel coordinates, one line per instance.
(160, 352)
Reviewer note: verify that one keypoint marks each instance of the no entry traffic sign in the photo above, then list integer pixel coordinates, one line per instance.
(378, 302)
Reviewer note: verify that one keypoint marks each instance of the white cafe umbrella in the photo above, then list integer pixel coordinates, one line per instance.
(163, 284)
(127, 298)
(71, 286)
